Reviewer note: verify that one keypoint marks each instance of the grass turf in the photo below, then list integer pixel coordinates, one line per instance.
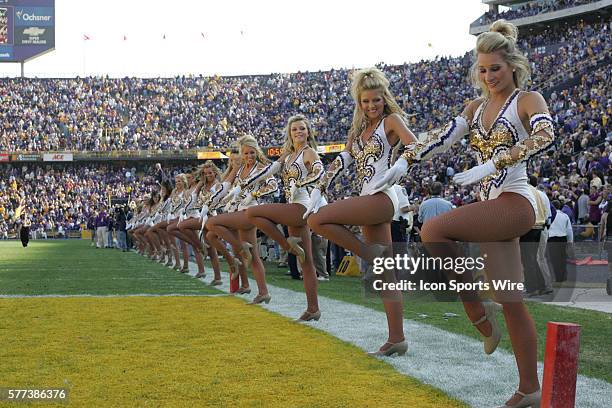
(595, 351)
(72, 267)
(212, 352)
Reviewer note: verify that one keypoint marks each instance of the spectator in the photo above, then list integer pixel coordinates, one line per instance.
(434, 205)
(559, 235)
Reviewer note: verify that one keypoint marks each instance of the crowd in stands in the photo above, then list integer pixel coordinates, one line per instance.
(128, 114)
(211, 112)
(531, 9)
(63, 197)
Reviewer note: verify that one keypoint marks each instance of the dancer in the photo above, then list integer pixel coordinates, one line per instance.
(190, 209)
(302, 168)
(215, 205)
(161, 223)
(235, 227)
(151, 237)
(178, 203)
(507, 127)
(192, 226)
(140, 226)
(378, 125)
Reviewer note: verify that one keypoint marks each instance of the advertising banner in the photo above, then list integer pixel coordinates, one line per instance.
(27, 29)
(26, 157)
(333, 148)
(211, 156)
(58, 157)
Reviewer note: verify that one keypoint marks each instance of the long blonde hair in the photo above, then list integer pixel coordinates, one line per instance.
(501, 36)
(210, 164)
(365, 80)
(310, 140)
(250, 141)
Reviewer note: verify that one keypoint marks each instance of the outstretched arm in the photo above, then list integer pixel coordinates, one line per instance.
(266, 172)
(218, 194)
(339, 165)
(313, 162)
(440, 140)
(541, 137)
(269, 187)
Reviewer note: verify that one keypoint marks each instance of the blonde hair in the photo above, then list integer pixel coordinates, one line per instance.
(183, 178)
(365, 80)
(210, 164)
(502, 37)
(250, 141)
(310, 140)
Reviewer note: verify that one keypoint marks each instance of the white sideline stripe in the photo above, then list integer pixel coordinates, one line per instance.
(453, 363)
(87, 295)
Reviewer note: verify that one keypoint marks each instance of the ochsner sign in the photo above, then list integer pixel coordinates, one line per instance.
(57, 157)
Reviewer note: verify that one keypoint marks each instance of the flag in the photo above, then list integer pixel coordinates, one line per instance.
(86, 37)
(18, 212)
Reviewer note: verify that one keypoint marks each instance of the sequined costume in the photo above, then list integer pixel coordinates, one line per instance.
(507, 131)
(250, 185)
(177, 206)
(296, 174)
(164, 210)
(202, 198)
(372, 160)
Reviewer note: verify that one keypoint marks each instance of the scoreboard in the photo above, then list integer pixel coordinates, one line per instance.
(27, 29)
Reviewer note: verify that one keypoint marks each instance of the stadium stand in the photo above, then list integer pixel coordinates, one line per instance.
(119, 117)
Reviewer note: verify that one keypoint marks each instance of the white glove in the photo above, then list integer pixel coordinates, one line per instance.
(234, 192)
(475, 174)
(292, 191)
(316, 201)
(393, 175)
(247, 200)
(226, 200)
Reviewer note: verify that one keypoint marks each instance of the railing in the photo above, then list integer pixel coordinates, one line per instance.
(481, 24)
(482, 20)
(576, 69)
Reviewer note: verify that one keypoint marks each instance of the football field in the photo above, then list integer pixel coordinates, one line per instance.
(182, 346)
(116, 329)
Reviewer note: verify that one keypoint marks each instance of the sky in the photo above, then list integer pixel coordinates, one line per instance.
(235, 37)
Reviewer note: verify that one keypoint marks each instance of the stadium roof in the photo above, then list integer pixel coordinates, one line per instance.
(502, 2)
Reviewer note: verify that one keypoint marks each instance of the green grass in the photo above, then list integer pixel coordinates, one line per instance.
(74, 267)
(596, 334)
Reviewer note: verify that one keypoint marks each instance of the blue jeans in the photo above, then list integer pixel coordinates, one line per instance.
(121, 240)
